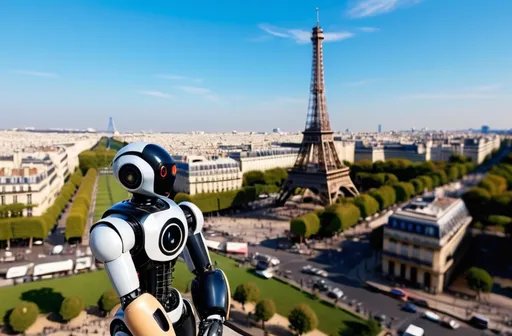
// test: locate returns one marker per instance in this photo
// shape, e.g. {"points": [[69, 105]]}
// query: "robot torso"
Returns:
{"points": [[161, 233]]}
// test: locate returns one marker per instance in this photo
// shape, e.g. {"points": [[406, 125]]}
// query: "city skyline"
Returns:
{"points": [[219, 67]]}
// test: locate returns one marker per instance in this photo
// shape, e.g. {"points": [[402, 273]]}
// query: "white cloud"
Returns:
{"points": [[195, 90], [37, 73], [368, 29], [156, 94], [366, 8], [179, 77], [302, 36], [361, 82]]}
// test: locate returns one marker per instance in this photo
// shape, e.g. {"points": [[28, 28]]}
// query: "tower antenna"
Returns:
{"points": [[317, 17]]}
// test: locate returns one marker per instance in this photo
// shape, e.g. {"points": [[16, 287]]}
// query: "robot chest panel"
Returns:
{"points": [[165, 234]]}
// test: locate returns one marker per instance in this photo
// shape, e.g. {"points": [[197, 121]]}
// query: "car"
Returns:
{"points": [[431, 316], [450, 324], [320, 285], [410, 308], [322, 273], [335, 293]]}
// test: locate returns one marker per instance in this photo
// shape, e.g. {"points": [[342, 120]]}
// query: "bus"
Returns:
{"points": [[413, 330]]}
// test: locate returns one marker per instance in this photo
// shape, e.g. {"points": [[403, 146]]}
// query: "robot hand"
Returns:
{"points": [[212, 326]]}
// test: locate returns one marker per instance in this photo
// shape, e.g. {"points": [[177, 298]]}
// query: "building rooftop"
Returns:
{"points": [[432, 214]]}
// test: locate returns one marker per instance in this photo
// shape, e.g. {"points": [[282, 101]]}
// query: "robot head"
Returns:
{"points": [[145, 169]]}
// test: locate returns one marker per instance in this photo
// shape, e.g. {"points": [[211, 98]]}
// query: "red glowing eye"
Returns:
{"points": [[163, 171], [173, 170]]}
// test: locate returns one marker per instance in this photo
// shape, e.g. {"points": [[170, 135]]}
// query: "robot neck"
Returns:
{"points": [[140, 199]]}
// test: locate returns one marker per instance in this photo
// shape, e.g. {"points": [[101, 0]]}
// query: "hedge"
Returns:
{"points": [[339, 217], [109, 300], [12, 227], [71, 307], [23, 316], [78, 214], [305, 226]]}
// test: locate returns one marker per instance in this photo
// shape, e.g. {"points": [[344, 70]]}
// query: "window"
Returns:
{"points": [[416, 251], [29, 198], [2, 200], [15, 198], [29, 212], [405, 250], [427, 255]]}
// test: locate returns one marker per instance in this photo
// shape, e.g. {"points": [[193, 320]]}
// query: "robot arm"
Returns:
{"points": [[210, 288], [111, 240]]}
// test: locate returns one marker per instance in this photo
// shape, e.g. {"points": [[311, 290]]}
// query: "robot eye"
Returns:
{"points": [[130, 176], [171, 238], [173, 170], [163, 172]]}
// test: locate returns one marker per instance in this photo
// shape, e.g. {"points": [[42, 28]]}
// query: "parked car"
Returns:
{"points": [[320, 285], [431, 316], [335, 293], [450, 324], [410, 308]]}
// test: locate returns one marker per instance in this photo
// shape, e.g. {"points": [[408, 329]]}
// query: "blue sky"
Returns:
{"points": [[246, 65]]}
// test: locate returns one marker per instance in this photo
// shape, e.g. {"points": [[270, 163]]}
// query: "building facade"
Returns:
{"points": [[265, 159], [478, 149], [35, 175], [197, 175], [424, 240]]}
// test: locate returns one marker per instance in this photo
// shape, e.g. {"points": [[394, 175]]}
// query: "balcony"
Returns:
{"points": [[407, 258]]}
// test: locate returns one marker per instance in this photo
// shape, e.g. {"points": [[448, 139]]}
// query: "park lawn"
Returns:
{"points": [[104, 199], [91, 285]]}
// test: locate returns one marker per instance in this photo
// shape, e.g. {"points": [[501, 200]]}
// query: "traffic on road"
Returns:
{"points": [[331, 274]]}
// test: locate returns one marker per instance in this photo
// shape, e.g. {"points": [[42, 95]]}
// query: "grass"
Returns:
{"points": [[114, 144], [91, 285], [104, 199]]}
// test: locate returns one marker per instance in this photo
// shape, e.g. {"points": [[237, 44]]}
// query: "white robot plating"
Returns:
{"points": [[139, 241]]}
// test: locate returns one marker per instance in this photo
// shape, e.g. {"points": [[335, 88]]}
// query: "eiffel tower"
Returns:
{"points": [[111, 130], [318, 167]]}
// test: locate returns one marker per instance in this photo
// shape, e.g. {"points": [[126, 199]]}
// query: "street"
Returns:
{"points": [[341, 276]]}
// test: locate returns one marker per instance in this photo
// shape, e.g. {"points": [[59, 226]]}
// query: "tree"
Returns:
{"points": [[109, 300], [372, 328], [246, 292], [265, 309], [23, 316], [182, 197], [367, 205], [479, 280], [369, 328], [302, 319], [339, 217], [306, 225], [71, 307], [253, 177]]}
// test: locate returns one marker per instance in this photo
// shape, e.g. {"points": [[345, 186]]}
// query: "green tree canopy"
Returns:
{"points": [[479, 280], [182, 197], [367, 205], [71, 307], [339, 217], [302, 319], [305, 226], [23, 316], [265, 310], [246, 292], [109, 300], [253, 177]]}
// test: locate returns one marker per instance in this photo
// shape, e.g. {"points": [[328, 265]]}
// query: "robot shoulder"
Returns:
{"points": [[120, 226]]}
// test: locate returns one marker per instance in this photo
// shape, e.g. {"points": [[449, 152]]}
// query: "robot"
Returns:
{"points": [[139, 241]]}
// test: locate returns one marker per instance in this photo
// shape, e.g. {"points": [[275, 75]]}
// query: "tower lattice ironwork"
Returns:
{"points": [[318, 166]]}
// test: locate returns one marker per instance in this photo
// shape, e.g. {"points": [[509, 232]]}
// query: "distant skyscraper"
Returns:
{"points": [[485, 129], [380, 128]]}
